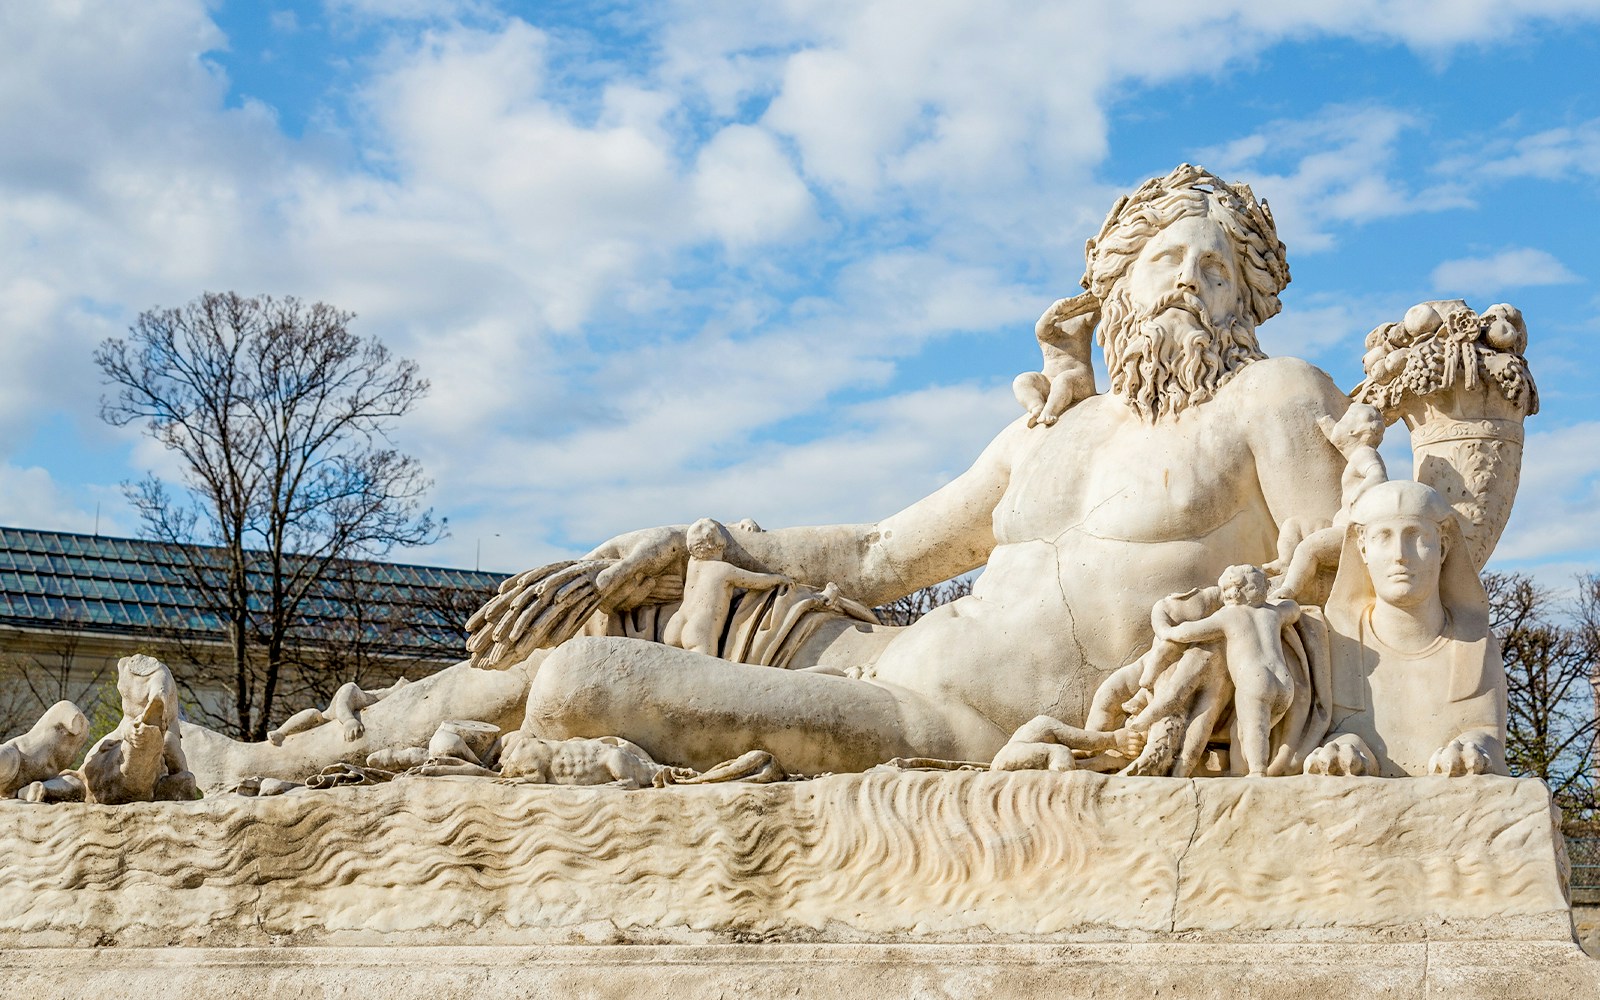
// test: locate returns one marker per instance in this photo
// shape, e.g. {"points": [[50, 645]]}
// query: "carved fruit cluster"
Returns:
{"points": [[1431, 351]]}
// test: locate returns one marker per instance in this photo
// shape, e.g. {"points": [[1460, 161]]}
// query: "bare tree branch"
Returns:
{"points": [[279, 415]]}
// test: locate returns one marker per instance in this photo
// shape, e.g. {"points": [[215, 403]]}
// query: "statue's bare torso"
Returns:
{"points": [[1102, 515]]}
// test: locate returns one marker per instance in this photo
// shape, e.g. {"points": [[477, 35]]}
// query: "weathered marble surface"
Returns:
{"points": [[881, 857]]}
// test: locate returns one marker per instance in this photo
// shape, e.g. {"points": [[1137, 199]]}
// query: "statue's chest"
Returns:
{"points": [[1109, 475]]}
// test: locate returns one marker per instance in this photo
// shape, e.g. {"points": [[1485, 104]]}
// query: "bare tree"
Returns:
{"points": [[1550, 649], [907, 609], [279, 415]]}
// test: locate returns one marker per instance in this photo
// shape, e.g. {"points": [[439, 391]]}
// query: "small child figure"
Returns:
{"points": [[345, 709], [1357, 435], [1064, 333], [708, 586], [1251, 628], [1047, 744]]}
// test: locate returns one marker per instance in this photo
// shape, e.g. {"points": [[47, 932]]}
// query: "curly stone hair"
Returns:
{"points": [[1237, 582]]}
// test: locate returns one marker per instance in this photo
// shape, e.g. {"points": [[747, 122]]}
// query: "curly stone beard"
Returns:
{"points": [[1174, 355]]}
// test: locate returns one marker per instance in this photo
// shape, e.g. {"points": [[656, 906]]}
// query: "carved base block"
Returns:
{"points": [[1478, 970], [888, 883]]}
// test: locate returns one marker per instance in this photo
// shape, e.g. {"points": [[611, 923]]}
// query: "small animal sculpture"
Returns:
{"points": [[45, 750], [125, 766]]}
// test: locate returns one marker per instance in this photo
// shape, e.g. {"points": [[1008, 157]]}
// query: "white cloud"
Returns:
{"points": [[30, 498], [746, 191], [1344, 172], [1514, 267], [1552, 154]]}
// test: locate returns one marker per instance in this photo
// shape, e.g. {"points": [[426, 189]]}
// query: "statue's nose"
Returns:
{"points": [[1188, 275]]}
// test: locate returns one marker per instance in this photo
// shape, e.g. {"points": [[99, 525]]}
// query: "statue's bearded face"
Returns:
{"points": [[1193, 254], [1174, 328]]}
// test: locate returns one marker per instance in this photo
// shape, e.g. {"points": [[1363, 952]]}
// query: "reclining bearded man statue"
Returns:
{"points": [[1199, 455]]}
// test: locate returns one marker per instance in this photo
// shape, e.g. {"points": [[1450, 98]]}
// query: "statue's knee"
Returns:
{"points": [[571, 691]]}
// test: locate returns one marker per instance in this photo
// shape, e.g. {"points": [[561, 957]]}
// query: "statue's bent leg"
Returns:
{"points": [[690, 709]]}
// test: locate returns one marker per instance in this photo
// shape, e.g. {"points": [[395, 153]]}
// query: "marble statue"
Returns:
{"points": [[44, 751], [948, 783], [1189, 464], [1419, 688], [345, 709], [1085, 513]]}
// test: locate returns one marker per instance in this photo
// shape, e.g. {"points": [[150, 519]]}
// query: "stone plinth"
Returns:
{"points": [[963, 884]]}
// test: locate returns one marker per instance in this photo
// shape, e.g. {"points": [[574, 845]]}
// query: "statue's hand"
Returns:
{"points": [[1461, 756], [646, 567], [1129, 743], [1346, 755], [1069, 321]]}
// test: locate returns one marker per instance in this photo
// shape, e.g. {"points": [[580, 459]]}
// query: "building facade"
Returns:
{"points": [[71, 605]]}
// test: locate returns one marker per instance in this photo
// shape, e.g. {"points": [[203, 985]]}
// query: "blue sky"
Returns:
{"points": [[776, 260]]}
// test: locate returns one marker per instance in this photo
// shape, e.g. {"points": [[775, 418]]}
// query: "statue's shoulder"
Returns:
{"points": [[1285, 386]]}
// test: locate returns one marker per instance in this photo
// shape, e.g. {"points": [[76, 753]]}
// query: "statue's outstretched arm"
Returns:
{"points": [[934, 539]]}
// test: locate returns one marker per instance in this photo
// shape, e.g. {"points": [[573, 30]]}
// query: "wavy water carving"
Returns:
{"points": [[880, 856]]}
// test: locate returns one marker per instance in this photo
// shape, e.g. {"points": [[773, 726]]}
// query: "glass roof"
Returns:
{"points": [[57, 580]]}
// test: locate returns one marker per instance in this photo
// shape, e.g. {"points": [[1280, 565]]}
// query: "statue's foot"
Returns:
{"points": [[33, 791], [275, 737]]}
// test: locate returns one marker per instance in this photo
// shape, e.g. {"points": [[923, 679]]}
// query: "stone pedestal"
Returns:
{"points": [[883, 884]]}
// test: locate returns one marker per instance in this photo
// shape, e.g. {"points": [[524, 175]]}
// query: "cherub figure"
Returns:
{"points": [[1251, 628], [1172, 696], [708, 586], [345, 709], [1047, 744], [1357, 435], [1064, 333]]}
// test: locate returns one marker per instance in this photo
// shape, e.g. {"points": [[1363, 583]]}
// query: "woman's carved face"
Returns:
{"points": [[1403, 557]]}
